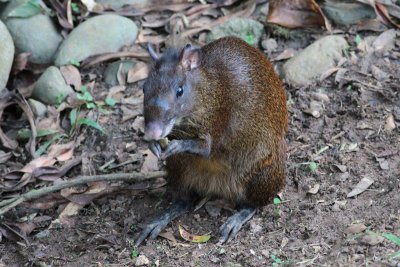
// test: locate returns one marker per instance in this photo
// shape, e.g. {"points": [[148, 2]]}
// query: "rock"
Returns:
{"points": [[270, 45], [347, 13], [142, 260], [111, 73], [246, 29], [97, 35], [308, 65], [38, 108], [121, 3], [36, 34], [6, 55], [385, 41], [379, 74], [51, 87]]}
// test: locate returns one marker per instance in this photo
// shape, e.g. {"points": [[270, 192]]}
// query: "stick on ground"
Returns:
{"points": [[8, 204]]}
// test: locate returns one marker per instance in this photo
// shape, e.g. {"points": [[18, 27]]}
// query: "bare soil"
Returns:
{"points": [[348, 142]]}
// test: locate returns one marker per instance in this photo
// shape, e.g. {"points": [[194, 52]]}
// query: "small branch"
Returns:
{"points": [[8, 204]]}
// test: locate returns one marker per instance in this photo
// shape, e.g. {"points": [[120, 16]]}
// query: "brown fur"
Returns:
{"points": [[242, 107]]}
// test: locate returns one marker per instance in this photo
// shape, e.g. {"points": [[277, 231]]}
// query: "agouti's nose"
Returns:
{"points": [[153, 131]]}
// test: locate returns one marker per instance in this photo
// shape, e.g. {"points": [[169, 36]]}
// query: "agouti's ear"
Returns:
{"points": [[190, 57]]}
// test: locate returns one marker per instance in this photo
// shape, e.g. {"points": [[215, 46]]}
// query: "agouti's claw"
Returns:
{"points": [[234, 223], [152, 230], [155, 147], [174, 147]]}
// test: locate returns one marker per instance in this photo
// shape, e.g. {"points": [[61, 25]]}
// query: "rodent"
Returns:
{"points": [[224, 106]]}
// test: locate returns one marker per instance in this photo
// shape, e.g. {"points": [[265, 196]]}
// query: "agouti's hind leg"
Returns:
{"points": [[154, 227], [234, 223]]}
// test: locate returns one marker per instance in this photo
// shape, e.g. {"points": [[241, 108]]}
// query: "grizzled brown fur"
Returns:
{"points": [[240, 106]]}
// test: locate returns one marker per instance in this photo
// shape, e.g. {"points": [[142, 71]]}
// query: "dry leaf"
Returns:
{"points": [[372, 239], [72, 76], [64, 218], [168, 235], [20, 62], [193, 238], [43, 161], [150, 162], [286, 54], [138, 72], [389, 123], [297, 13], [57, 150], [361, 187], [355, 228], [313, 190]]}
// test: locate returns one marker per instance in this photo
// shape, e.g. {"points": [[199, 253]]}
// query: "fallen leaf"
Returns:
{"points": [[138, 72], [64, 218], [363, 185], [295, 14], [20, 62], [313, 190], [138, 124], [372, 239], [72, 76], [43, 161], [168, 235], [58, 150], [389, 123], [150, 162], [193, 238], [355, 228], [341, 168], [286, 54], [4, 157]]}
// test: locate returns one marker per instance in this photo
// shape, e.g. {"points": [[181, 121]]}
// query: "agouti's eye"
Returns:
{"points": [[179, 91]]}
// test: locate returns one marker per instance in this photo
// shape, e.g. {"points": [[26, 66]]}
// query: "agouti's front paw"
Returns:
{"points": [[174, 147], [155, 147]]}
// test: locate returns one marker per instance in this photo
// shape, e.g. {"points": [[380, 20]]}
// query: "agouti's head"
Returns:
{"points": [[169, 90]]}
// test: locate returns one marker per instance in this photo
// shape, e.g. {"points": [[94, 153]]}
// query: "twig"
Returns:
{"points": [[6, 205], [93, 60]]}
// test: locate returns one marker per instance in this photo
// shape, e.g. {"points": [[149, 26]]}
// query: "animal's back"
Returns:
{"points": [[246, 117]]}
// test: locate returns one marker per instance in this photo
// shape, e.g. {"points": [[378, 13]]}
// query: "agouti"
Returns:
{"points": [[224, 108]]}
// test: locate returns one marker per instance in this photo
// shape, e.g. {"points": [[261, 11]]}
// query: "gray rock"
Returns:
{"points": [[111, 73], [36, 34], [38, 108], [347, 13], [51, 87], [270, 45], [97, 35], [246, 29], [313, 61], [121, 3], [6, 55]]}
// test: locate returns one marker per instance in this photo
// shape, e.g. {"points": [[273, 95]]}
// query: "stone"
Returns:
{"points": [[97, 35], [308, 65], [38, 108], [142, 260], [36, 34], [111, 72], [270, 45], [342, 13], [247, 29], [51, 87], [6, 55]]}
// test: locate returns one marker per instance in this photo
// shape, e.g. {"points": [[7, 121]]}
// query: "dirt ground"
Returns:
{"points": [[348, 142]]}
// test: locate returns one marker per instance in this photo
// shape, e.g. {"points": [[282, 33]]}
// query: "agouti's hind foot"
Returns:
{"points": [[153, 228], [234, 223]]}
